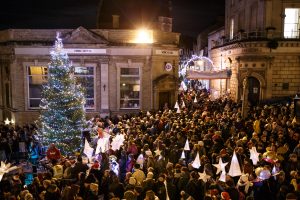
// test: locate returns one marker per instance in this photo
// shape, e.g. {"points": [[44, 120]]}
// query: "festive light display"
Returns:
{"points": [[62, 105]]}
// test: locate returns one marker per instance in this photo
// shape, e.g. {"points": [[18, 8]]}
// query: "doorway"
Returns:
{"points": [[164, 99], [254, 90]]}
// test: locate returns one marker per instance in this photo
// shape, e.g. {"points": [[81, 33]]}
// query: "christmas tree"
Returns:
{"points": [[62, 105]]}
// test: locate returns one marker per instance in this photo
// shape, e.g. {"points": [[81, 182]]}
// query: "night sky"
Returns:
{"points": [[189, 16]]}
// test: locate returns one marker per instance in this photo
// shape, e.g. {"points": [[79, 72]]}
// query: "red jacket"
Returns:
{"points": [[53, 154]]}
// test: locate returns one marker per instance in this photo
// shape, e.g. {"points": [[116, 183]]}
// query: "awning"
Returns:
{"points": [[222, 74]]}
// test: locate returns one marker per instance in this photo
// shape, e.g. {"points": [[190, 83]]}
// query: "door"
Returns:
{"points": [[254, 91], [164, 100]]}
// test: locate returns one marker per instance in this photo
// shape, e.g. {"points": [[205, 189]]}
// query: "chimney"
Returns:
{"points": [[115, 21], [165, 23]]}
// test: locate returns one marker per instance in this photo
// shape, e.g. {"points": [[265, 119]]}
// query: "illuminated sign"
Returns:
{"points": [[166, 52]]}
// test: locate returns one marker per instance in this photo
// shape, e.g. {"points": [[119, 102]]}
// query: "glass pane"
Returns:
{"points": [[35, 86], [291, 23], [84, 70], [125, 103], [88, 84], [130, 71], [34, 103], [37, 70], [89, 104], [129, 87]]}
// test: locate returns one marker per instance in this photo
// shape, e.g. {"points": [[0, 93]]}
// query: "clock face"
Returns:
{"points": [[168, 67]]}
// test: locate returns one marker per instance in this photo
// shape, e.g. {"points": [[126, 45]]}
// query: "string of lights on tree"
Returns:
{"points": [[62, 115]]}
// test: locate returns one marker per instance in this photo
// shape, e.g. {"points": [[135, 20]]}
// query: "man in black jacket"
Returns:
{"points": [[79, 167]]}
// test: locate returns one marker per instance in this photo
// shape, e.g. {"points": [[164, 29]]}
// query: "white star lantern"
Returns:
{"points": [[6, 168], [6, 122], [157, 152], [204, 176], [220, 166], [254, 155]]}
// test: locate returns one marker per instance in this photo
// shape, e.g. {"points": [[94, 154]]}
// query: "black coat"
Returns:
{"points": [[79, 167]]}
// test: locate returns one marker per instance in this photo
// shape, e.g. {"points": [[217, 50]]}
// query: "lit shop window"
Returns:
{"points": [[37, 76], [129, 88], [291, 23]]}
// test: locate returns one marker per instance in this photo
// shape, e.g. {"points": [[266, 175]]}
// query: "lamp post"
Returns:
{"points": [[245, 98], [297, 108]]}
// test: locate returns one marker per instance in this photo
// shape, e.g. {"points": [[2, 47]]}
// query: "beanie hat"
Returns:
{"points": [[225, 195]]}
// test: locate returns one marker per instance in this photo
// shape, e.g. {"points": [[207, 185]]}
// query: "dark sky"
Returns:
{"points": [[189, 16]]}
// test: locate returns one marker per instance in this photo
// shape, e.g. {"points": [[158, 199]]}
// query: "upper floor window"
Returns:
{"points": [[231, 28], [291, 22], [37, 76], [130, 88], [232, 2]]}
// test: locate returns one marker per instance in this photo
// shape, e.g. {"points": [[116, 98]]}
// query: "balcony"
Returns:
{"points": [[256, 36]]}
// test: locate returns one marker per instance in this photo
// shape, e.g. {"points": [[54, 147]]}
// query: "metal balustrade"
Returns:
{"points": [[256, 36]]}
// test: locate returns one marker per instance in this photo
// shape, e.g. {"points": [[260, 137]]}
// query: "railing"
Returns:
{"points": [[256, 35]]}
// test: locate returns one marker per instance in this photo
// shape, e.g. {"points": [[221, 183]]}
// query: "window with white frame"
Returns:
{"points": [[37, 76], [291, 22], [129, 88], [85, 77]]}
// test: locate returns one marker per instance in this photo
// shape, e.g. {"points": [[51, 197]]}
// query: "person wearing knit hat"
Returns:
{"points": [[225, 196]]}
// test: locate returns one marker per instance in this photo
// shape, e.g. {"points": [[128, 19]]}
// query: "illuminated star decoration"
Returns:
{"points": [[157, 152], [254, 155], [5, 168], [204, 176], [6, 122], [117, 142], [220, 166]]}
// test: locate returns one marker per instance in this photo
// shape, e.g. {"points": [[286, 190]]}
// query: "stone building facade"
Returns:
{"points": [[259, 43], [121, 73]]}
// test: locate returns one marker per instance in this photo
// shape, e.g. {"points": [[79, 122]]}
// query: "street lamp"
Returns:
{"points": [[144, 36], [297, 108]]}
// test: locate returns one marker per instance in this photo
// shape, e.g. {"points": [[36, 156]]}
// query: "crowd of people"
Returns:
{"points": [[154, 164]]}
